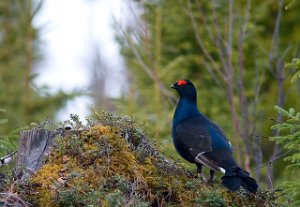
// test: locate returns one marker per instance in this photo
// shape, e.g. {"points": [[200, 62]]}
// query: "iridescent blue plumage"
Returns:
{"points": [[199, 140]]}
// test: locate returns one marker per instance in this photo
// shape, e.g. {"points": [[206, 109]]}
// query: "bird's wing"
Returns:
{"points": [[219, 131], [195, 137]]}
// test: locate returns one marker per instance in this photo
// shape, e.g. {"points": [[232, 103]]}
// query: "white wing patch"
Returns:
{"points": [[200, 158], [222, 170]]}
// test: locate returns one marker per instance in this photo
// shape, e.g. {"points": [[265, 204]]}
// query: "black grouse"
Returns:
{"points": [[199, 140]]}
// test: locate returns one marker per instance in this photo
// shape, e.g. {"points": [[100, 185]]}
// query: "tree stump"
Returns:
{"points": [[33, 147]]}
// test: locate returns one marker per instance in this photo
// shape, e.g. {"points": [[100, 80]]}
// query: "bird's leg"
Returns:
{"points": [[199, 168], [199, 171], [211, 173]]}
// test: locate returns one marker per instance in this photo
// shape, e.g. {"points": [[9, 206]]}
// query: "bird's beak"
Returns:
{"points": [[173, 86]]}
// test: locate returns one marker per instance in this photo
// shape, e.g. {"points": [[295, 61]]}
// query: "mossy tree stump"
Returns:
{"points": [[108, 162], [34, 145]]}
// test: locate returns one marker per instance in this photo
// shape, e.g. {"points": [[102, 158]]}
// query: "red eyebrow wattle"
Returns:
{"points": [[181, 82]]}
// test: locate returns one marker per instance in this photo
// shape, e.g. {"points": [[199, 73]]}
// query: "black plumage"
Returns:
{"points": [[199, 140]]}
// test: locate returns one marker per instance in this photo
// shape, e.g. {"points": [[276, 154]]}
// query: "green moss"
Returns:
{"points": [[104, 166]]}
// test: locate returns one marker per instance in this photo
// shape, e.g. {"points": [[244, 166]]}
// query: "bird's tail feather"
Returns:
{"points": [[236, 177]]}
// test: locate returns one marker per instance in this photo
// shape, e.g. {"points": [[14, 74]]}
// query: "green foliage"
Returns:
{"points": [[2, 121], [210, 199], [295, 64], [19, 53], [115, 199], [289, 139], [70, 197], [8, 142], [291, 4]]}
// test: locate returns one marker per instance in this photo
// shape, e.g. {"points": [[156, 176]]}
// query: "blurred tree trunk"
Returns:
{"points": [[29, 59], [99, 80], [156, 72], [277, 68]]}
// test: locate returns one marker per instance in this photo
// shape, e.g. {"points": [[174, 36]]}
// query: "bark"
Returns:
{"points": [[33, 146]]}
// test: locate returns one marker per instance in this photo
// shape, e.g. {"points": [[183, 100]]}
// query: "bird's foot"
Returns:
{"points": [[210, 182], [202, 177]]}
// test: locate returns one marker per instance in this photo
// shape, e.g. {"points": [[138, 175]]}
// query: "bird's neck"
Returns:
{"points": [[185, 108]]}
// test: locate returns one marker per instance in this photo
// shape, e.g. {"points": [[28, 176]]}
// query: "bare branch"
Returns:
{"points": [[15, 196], [200, 43], [269, 174], [241, 89], [275, 38], [139, 58], [267, 118], [229, 36], [147, 69], [219, 42], [216, 23], [203, 18], [254, 135], [275, 159]]}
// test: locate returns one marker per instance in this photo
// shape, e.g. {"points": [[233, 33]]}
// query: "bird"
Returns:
{"points": [[201, 141]]}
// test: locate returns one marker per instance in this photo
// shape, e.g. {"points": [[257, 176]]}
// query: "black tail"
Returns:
{"points": [[236, 177]]}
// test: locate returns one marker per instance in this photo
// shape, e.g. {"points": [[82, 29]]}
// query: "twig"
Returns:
{"points": [[203, 17], [257, 149], [267, 118], [275, 159], [254, 135], [269, 175], [145, 67], [275, 37], [269, 165], [241, 89], [230, 34], [199, 40], [220, 40], [14, 196]]}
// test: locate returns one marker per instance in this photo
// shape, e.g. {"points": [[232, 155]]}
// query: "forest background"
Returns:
{"points": [[234, 51]]}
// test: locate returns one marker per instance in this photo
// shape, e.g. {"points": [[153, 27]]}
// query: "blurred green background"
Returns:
{"points": [[234, 52]]}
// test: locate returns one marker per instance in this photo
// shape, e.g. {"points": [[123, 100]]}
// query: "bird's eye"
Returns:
{"points": [[181, 82]]}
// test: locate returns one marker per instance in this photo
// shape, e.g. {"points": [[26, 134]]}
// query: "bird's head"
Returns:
{"points": [[185, 88]]}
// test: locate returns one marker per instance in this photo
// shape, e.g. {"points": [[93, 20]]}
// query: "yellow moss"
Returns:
{"points": [[92, 178], [89, 147], [101, 129], [102, 154], [45, 179], [46, 174], [119, 161]]}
